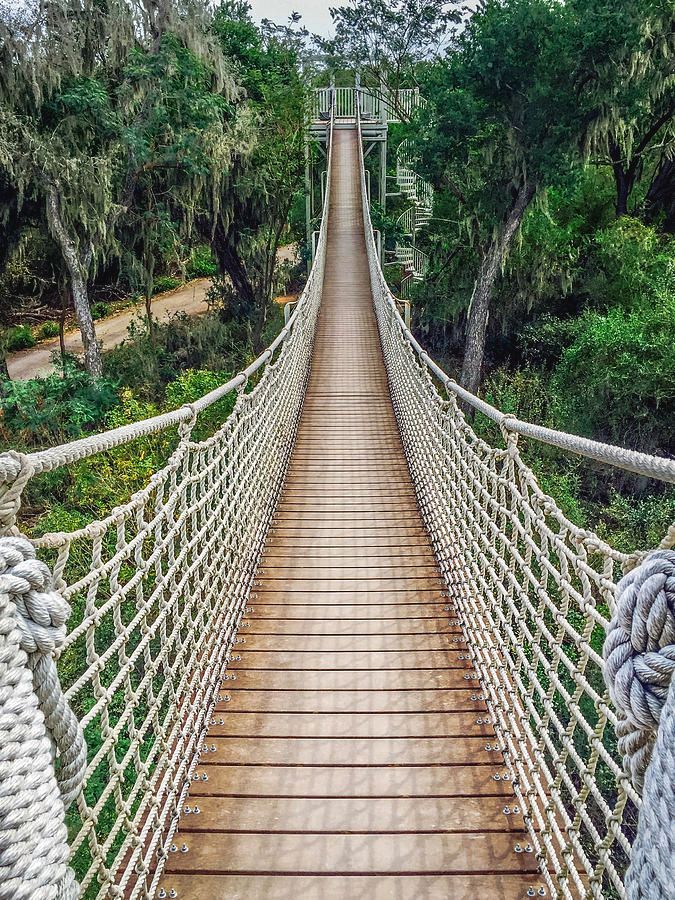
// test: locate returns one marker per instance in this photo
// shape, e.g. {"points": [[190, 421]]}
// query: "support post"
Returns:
{"points": [[308, 199], [383, 158]]}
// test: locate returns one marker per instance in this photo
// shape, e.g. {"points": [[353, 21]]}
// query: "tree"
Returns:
{"points": [[386, 39], [103, 101], [624, 72], [250, 211], [497, 126]]}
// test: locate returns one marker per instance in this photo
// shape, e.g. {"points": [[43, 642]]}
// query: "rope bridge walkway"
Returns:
{"points": [[341, 649]]}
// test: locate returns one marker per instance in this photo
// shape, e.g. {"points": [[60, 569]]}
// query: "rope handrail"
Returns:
{"points": [[555, 636], [48, 460], [102, 724]]}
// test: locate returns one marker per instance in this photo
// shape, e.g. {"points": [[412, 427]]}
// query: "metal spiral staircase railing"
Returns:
{"points": [[574, 662], [414, 261]]}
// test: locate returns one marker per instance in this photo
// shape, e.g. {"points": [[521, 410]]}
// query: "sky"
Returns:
{"points": [[315, 15]]}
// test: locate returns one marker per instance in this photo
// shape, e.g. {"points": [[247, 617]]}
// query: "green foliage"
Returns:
{"points": [[48, 330], [19, 338], [637, 264], [100, 310], [616, 381], [149, 362], [202, 263], [544, 341], [45, 411], [251, 210], [165, 283], [385, 39]]}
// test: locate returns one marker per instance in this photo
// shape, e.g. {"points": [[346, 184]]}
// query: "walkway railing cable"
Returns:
{"points": [[537, 597], [156, 590], [113, 657]]}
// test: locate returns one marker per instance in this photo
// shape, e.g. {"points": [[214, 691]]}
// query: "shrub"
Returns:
{"points": [[20, 338], [44, 411], [202, 263], [48, 330], [616, 382], [165, 283], [100, 310], [544, 341]]}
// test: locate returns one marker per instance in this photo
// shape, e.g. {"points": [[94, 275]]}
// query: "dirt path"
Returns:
{"points": [[189, 299]]}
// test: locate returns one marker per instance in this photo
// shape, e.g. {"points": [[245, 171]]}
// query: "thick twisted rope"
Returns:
{"points": [[652, 870], [640, 661], [639, 654], [36, 725]]}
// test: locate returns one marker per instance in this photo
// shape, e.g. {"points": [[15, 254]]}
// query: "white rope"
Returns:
{"points": [[640, 656], [640, 661], [33, 839], [157, 588], [651, 875], [532, 593]]}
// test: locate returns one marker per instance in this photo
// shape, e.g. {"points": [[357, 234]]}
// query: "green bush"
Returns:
{"points": [[202, 263], [165, 283], [48, 330], [616, 382], [20, 338], [148, 363], [40, 412], [543, 342], [100, 310]]}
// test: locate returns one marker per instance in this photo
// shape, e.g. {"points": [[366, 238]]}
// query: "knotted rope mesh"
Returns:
{"points": [[157, 591], [534, 596]]}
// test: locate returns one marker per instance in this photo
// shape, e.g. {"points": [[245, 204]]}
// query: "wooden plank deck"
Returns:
{"points": [[350, 760]]}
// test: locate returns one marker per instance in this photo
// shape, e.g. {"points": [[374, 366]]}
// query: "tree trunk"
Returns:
{"points": [[624, 179], [488, 275], [78, 282], [231, 265], [660, 199], [149, 291], [62, 325], [623, 191]]}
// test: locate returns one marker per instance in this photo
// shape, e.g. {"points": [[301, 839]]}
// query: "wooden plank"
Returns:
{"points": [[353, 596], [363, 887], [361, 570], [374, 582], [320, 625], [352, 854], [365, 661], [350, 781], [356, 644], [378, 815], [349, 679], [389, 751], [357, 701], [271, 613], [350, 724]]}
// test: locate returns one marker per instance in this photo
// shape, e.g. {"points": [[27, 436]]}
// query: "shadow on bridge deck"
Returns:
{"points": [[352, 759]]}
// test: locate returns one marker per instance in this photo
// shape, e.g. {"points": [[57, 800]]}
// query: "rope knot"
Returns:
{"points": [[639, 654], [41, 612], [15, 472]]}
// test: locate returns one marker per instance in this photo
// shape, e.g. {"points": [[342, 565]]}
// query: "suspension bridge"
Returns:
{"points": [[343, 648]]}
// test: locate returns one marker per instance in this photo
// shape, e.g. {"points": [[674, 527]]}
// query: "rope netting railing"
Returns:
{"points": [[538, 603], [152, 596]]}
